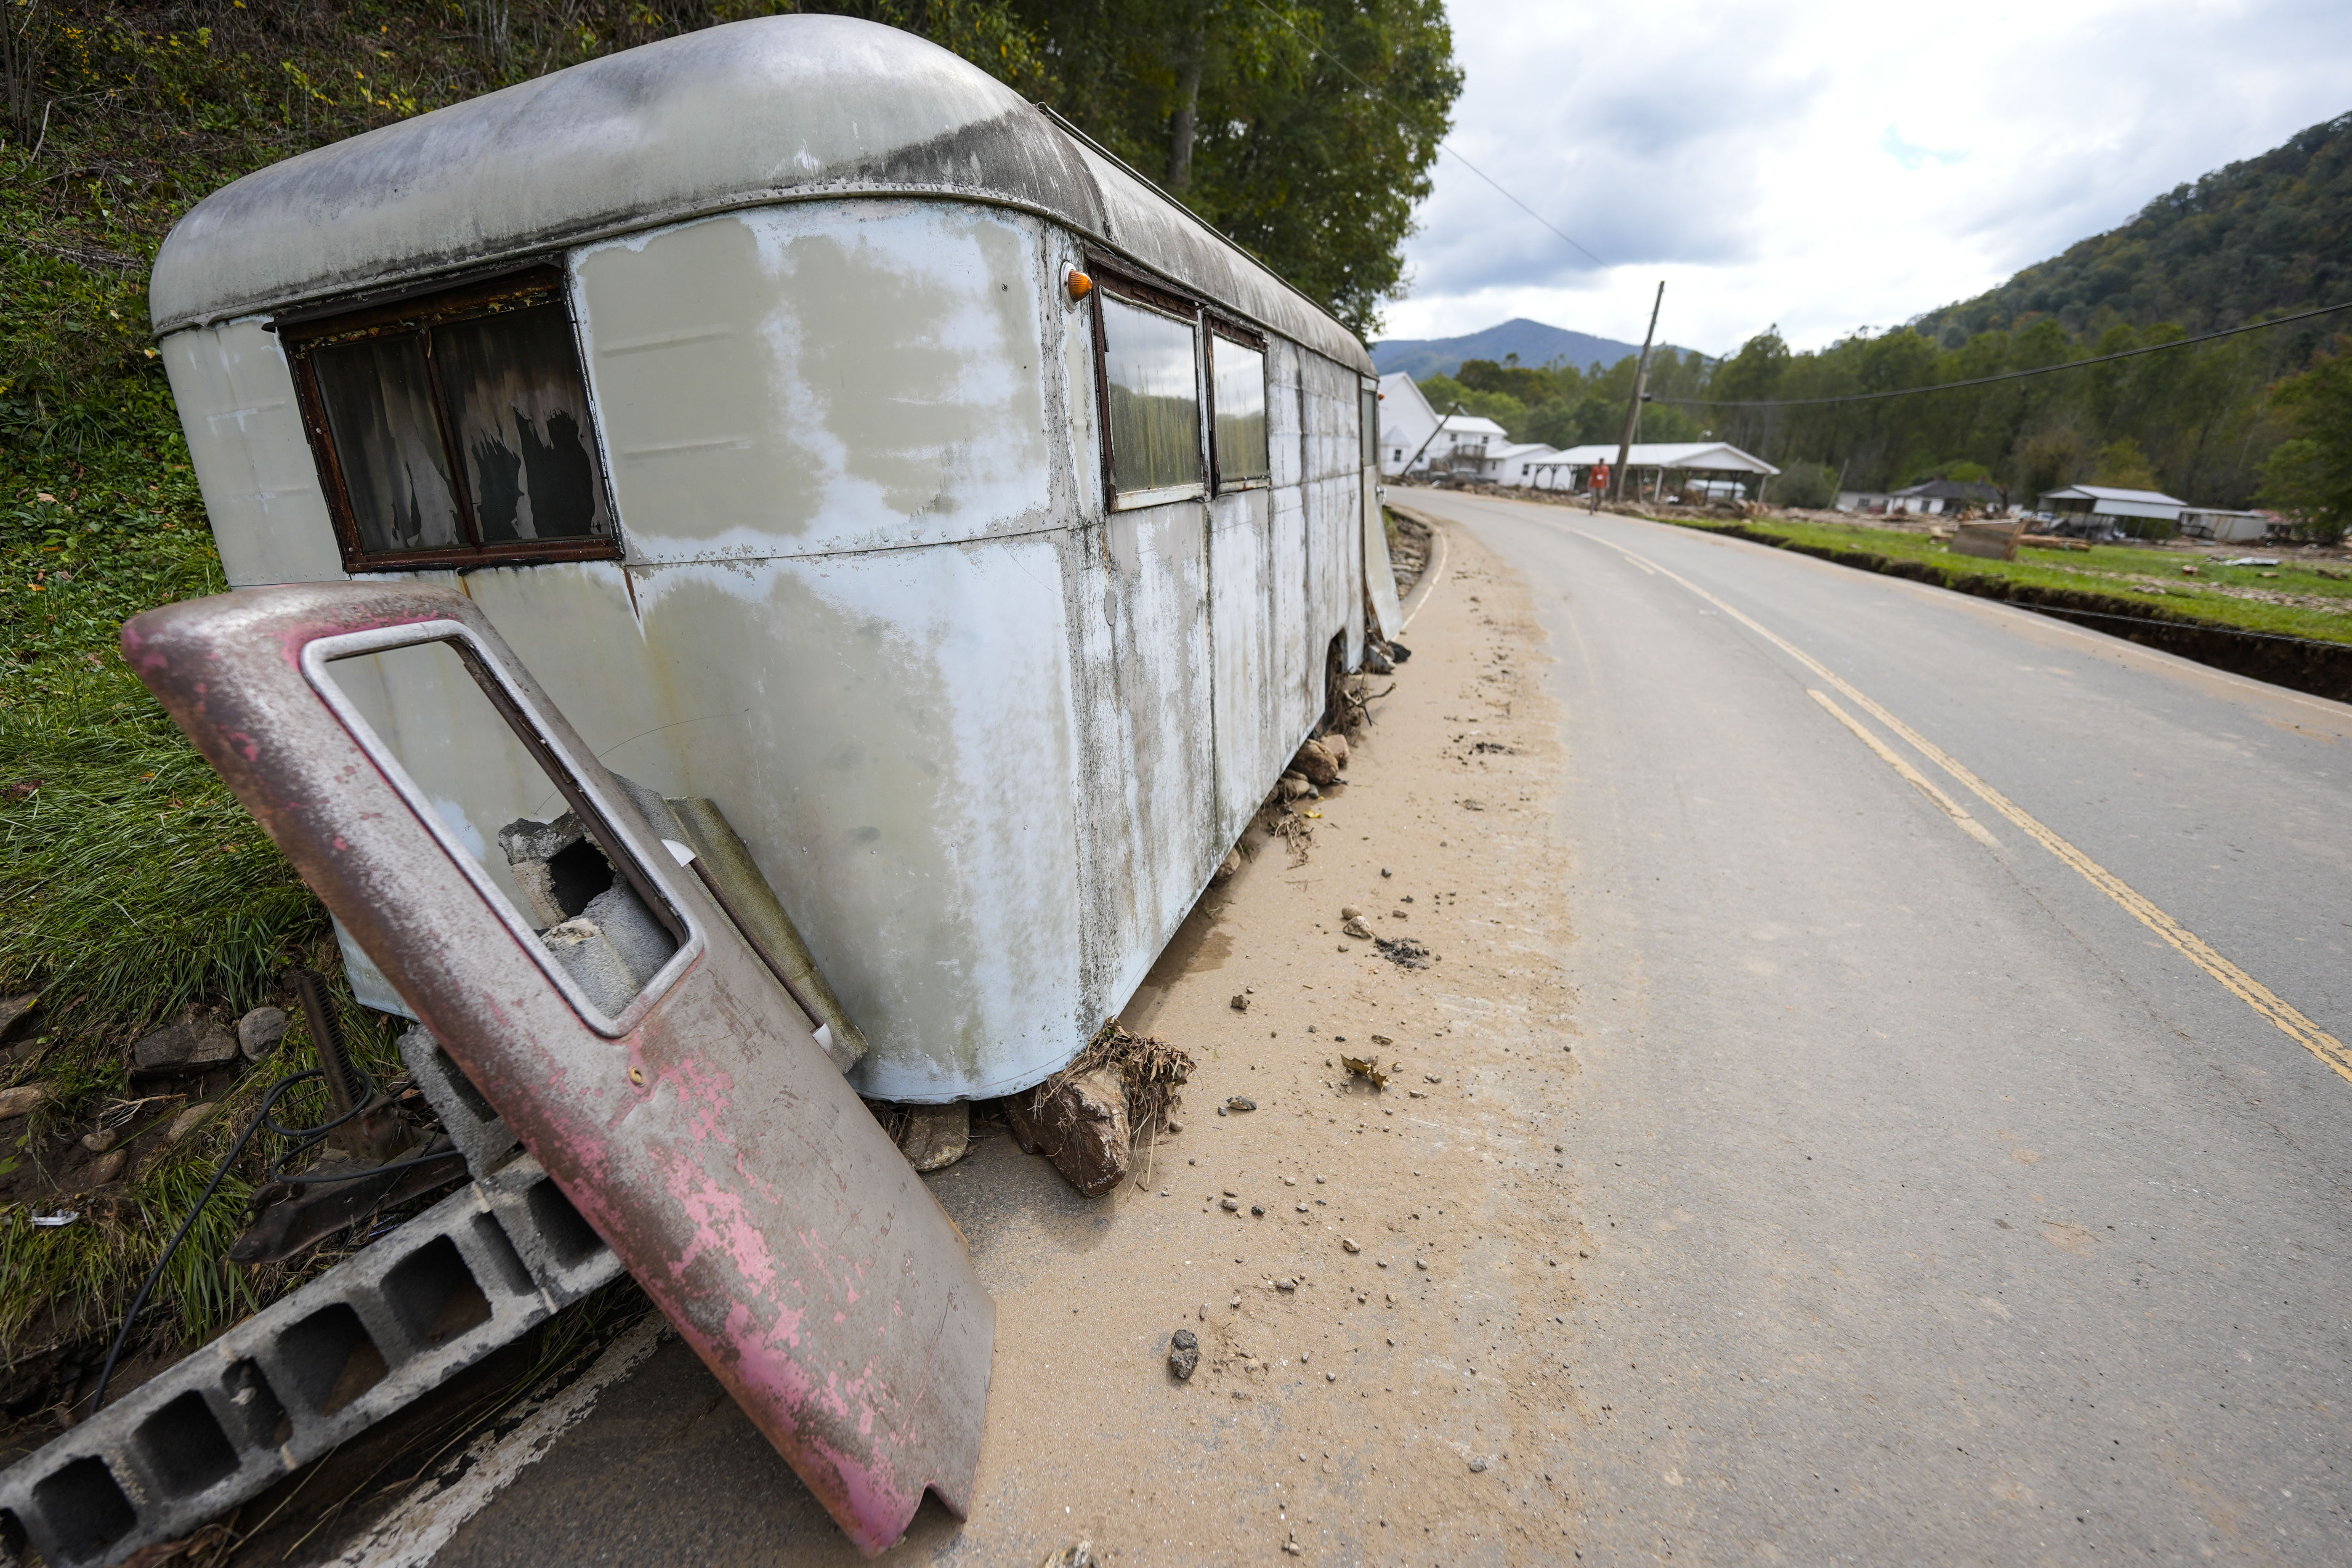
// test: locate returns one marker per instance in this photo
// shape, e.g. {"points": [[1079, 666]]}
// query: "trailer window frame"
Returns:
{"points": [[1220, 327], [1131, 289], [418, 313]]}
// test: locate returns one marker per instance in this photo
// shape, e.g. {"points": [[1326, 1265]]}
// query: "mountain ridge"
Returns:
{"points": [[1537, 343]]}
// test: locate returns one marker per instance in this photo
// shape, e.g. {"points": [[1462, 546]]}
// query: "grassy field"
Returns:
{"points": [[2247, 597]]}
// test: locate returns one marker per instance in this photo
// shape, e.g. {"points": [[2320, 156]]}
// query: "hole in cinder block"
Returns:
{"points": [[257, 1416], [577, 874], [571, 1239], [330, 1359], [85, 1508], [185, 1446], [433, 1295], [491, 1237]]}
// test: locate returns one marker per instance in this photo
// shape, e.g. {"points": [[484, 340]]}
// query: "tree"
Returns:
{"points": [[1302, 129], [2309, 475]]}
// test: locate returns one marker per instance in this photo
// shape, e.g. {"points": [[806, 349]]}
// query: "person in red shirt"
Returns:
{"points": [[1596, 485]]}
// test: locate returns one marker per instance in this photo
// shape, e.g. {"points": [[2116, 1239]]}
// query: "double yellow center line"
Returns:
{"points": [[2192, 946]]}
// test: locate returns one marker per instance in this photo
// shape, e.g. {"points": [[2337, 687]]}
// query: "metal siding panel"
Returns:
{"points": [[1242, 619], [251, 458], [1147, 775], [1293, 699], [836, 375]]}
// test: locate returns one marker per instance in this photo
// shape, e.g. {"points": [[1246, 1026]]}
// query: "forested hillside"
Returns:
{"points": [[2270, 235]]}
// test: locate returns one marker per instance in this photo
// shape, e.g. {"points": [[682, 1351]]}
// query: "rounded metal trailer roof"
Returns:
{"points": [[780, 109]]}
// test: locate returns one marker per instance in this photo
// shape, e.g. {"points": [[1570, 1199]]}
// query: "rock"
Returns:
{"points": [[1184, 1351], [1336, 745], [1421, 1263], [1081, 1125], [1347, 1244], [1354, 926], [1285, 1284], [14, 1010], [936, 1136], [1291, 786], [1386, 872], [258, 1032], [1258, 1209], [1479, 1465], [108, 1168], [1229, 867], [100, 1141], [1349, 911], [1231, 1205], [188, 1121], [1316, 765], [1240, 1102], [23, 1101], [195, 1042], [1241, 1002]]}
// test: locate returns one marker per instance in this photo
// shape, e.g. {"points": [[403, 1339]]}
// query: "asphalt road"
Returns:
{"points": [[1948, 1211]]}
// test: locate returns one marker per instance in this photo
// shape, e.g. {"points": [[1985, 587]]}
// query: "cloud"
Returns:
{"points": [[1833, 164], [1911, 155]]}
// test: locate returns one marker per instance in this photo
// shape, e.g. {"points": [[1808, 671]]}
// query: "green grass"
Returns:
{"points": [[2133, 573]]}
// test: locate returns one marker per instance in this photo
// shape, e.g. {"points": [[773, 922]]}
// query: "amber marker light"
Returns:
{"points": [[1080, 284]]}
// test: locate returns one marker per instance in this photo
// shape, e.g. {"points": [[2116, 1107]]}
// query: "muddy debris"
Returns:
{"points": [[936, 1136], [1368, 1069], [1184, 1352], [1080, 1122], [1316, 763], [1240, 1102], [1227, 869], [1403, 952]]}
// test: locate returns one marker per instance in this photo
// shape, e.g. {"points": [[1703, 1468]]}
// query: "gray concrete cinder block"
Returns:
{"points": [[324, 1363]]}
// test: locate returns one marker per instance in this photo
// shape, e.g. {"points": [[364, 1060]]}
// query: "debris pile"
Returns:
{"points": [[1089, 1118]]}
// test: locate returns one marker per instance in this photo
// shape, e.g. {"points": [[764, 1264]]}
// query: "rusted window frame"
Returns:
{"points": [[419, 313], [1111, 278], [1247, 338]]}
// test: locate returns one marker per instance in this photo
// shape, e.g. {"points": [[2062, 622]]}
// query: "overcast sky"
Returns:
{"points": [[1832, 165]]}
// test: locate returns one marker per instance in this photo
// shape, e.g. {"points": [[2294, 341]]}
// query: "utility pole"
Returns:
{"points": [[1633, 408]]}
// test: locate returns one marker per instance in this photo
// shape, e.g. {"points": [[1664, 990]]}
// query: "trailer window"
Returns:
{"points": [[1237, 386], [455, 429], [1151, 390]]}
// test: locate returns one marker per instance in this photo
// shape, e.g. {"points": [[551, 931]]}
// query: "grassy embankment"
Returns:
{"points": [[133, 884], [2249, 599]]}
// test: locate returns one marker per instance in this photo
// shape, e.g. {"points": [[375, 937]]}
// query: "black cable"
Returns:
{"points": [[2005, 375], [306, 1138]]}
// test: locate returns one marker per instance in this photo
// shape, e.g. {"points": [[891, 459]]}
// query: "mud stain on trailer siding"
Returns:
{"points": [[889, 698], [820, 376]]}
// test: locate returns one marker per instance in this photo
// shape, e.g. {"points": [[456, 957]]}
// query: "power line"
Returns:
{"points": [[1442, 146], [2006, 375]]}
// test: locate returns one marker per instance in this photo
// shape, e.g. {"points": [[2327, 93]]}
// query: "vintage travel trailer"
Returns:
{"points": [[838, 438]]}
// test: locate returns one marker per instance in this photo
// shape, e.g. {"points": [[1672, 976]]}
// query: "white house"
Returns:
{"points": [[1516, 464], [1708, 465], [1413, 436]]}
